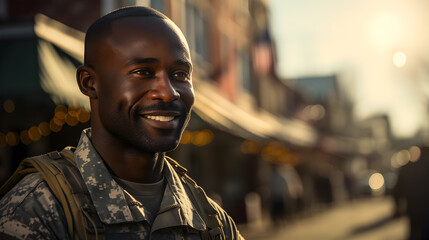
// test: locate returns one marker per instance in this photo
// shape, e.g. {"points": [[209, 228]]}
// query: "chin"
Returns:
{"points": [[159, 146]]}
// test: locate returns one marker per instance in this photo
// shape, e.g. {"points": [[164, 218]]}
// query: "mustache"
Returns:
{"points": [[161, 106]]}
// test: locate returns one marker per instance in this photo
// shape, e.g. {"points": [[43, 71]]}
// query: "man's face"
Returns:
{"points": [[144, 85]]}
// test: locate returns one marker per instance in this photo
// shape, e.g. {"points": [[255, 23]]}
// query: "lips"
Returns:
{"points": [[161, 119]]}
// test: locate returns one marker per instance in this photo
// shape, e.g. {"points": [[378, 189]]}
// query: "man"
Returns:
{"points": [[137, 74]]}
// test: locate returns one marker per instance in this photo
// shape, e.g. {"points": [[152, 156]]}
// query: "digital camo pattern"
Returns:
{"points": [[30, 211], [107, 196]]}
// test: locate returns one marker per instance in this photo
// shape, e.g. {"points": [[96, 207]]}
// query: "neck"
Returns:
{"points": [[128, 162]]}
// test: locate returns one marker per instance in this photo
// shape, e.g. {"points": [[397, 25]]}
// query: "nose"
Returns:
{"points": [[163, 89]]}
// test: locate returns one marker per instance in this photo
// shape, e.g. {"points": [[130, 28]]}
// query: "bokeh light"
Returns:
{"points": [[415, 153], [24, 137], [400, 158], [34, 134], [250, 147], [399, 59], [54, 126], [202, 138], [376, 181], [12, 138], [72, 120], [59, 121], [83, 115], [186, 137], [60, 112], [314, 112], [9, 106], [73, 110], [44, 129]]}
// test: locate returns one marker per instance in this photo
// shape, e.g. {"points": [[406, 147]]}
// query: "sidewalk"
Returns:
{"points": [[367, 219]]}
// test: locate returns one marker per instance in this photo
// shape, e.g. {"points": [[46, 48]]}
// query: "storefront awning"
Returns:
{"points": [[58, 79], [248, 123]]}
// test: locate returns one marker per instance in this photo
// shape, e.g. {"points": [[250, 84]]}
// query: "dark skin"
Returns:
{"points": [[138, 79]]}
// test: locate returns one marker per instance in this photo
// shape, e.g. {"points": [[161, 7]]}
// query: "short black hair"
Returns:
{"points": [[96, 29], [133, 11]]}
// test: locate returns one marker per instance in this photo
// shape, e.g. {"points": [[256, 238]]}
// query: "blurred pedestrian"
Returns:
{"points": [[286, 191], [278, 189], [411, 195]]}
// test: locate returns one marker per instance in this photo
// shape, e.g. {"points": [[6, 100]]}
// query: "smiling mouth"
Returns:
{"points": [[160, 118]]}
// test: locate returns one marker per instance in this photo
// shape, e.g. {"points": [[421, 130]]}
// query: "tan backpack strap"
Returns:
{"points": [[56, 184], [22, 170], [61, 174], [86, 219], [208, 212]]}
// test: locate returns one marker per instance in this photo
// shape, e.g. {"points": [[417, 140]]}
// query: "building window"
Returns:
{"points": [[158, 5], [244, 66], [197, 31]]}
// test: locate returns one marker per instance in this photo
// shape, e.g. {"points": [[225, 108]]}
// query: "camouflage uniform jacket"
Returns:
{"points": [[30, 211]]}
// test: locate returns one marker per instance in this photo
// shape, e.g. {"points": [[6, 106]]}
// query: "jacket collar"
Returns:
{"points": [[114, 205], [107, 196], [176, 208]]}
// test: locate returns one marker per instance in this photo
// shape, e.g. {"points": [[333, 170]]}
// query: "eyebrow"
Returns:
{"points": [[181, 62], [184, 63]]}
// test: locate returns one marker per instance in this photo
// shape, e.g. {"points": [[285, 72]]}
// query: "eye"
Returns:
{"points": [[181, 75], [143, 72]]}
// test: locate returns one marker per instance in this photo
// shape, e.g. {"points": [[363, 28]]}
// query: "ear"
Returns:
{"points": [[85, 77]]}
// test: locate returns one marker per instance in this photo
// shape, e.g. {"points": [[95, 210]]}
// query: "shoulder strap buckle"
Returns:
{"points": [[217, 233], [54, 155]]}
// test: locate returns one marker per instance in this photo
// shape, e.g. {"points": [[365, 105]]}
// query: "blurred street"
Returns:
{"points": [[368, 219]]}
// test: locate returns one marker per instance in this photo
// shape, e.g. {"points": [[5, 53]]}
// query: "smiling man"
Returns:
{"points": [[117, 183]]}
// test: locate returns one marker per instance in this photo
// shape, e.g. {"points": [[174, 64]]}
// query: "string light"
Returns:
{"points": [[202, 138], [71, 120], [60, 112], [44, 129], [272, 151], [83, 115], [34, 134], [54, 127], [72, 115], [9, 106], [12, 138], [72, 110], [186, 137], [23, 136], [250, 147], [198, 138]]}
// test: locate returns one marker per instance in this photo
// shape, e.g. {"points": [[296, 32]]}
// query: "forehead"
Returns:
{"points": [[136, 33]]}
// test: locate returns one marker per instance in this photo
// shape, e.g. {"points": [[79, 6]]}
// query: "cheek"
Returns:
{"points": [[188, 97], [116, 95]]}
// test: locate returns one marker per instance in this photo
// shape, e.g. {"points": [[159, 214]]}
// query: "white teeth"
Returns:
{"points": [[161, 118]]}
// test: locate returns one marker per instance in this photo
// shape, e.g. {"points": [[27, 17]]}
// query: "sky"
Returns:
{"points": [[378, 49]]}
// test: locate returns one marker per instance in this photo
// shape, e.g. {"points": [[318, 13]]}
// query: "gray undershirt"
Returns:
{"points": [[149, 195]]}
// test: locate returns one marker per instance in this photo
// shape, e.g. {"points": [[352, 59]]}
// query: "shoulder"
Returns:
{"points": [[229, 227], [30, 211], [18, 193]]}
